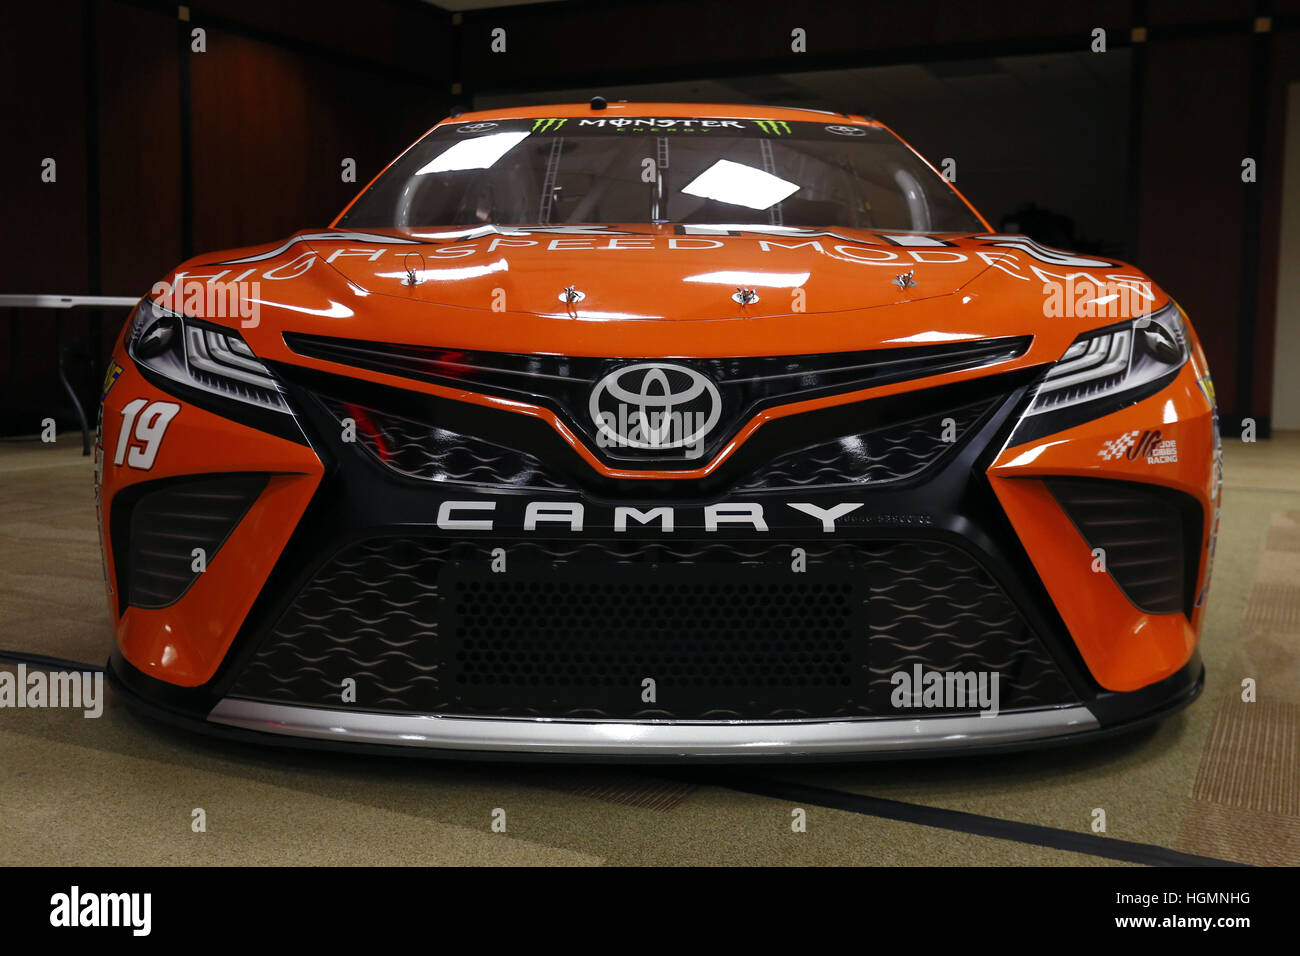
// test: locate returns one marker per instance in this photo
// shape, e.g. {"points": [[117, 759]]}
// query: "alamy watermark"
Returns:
{"points": [[1083, 297], [213, 299], [77, 690], [945, 690]]}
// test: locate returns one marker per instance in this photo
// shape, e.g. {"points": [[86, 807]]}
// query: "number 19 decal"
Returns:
{"points": [[149, 427]]}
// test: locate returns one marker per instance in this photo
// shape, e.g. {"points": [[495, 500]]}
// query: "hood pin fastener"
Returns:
{"points": [[412, 278]]}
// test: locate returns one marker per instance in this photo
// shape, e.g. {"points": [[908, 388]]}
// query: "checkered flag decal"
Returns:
{"points": [[1117, 447]]}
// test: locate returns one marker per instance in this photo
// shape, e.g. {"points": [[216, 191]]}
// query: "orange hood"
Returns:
{"points": [[654, 290]]}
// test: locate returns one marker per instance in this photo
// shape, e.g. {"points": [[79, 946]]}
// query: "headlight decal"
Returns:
{"points": [[200, 356], [1105, 370]]}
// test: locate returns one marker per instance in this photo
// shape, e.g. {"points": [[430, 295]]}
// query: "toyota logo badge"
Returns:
{"points": [[655, 406]]}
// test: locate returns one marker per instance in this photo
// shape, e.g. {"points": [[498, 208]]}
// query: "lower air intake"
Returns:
{"points": [[169, 521], [1144, 533]]}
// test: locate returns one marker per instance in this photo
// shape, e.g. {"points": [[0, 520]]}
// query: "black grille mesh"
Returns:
{"points": [[424, 450], [725, 630], [168, 523], [752, 639], [893, 453]]}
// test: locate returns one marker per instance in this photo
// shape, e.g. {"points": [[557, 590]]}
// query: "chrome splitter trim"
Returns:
{"points": [[651, 738]]}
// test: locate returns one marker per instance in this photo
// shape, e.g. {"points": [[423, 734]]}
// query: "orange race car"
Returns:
{"points": [[654, 430]]}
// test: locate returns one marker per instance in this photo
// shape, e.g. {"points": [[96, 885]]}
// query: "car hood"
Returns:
{"points": [[649, 272], [653, 290]]}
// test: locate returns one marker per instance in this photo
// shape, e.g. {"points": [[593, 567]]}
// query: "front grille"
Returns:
{"points": [[424, 450], [893, 453], [745, 384], [414, 438], [168, 522], [1140, 529], [724, 630]]}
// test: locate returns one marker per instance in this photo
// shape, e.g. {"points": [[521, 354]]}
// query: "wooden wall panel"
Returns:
{"points": [[140, 160], [43, 246], [559, 44], [272, 127], [1193, 140]]}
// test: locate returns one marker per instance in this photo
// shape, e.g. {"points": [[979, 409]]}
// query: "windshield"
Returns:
{"points": [[676, 170]]}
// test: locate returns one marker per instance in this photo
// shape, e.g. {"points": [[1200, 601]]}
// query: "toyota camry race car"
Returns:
{"points": [[653, 430]]}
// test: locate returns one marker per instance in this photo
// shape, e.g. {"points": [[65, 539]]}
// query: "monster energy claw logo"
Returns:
{"points": [[773, 127], [546, 124]]}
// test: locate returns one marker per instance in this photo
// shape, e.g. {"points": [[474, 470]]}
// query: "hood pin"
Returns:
{"points": [[904, 280], [411, 277]]}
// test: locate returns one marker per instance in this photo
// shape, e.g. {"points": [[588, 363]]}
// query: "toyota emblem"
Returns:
{"points": [[655, 406]]}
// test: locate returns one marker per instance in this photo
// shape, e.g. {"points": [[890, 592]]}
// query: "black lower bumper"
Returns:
{"points": [[582, 741], [480, 617]]}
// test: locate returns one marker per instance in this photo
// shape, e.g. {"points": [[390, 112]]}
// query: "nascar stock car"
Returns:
{"points": [[658, 431]]}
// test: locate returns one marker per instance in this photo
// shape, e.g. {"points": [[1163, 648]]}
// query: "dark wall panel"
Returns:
{"points": [[44, 244], [284, 93], [406, 35], [1193, 139], [140, 164], [558, 44], [43, 104], [1284, 60], [272, 127]]}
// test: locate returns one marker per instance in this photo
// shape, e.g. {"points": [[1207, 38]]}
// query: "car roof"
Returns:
{"points": [[710, 110]]}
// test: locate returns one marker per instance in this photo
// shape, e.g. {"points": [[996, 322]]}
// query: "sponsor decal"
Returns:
{"points": [[338, 236], [1163, 452], [664, 125], [1043, 253], [110, 379], [1206, 385], [774, 127], [1139, 444], [887, 250], [847, 130], [655, 406], [548, 124], [478, 127]]}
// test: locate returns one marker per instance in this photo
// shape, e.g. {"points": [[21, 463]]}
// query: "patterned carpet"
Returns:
{"points": [[1219, 780]]}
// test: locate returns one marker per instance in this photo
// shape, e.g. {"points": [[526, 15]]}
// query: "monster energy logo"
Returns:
{"points": [[545, 125], [773, 127]]}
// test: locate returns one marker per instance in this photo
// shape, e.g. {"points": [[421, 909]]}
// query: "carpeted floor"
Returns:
{"points": [[1220, 780]]}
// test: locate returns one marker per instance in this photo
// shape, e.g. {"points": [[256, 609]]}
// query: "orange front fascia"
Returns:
{"points": [[185, 643], [1124, 647]]}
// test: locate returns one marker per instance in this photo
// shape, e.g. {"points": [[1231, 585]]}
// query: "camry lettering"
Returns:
{"points": [[544, 517], [448, 522]]}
